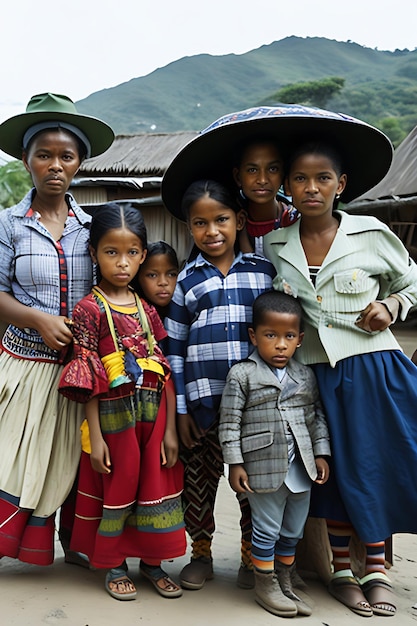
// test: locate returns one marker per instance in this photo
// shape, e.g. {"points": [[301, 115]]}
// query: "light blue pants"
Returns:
{"points": [[278, 521]]}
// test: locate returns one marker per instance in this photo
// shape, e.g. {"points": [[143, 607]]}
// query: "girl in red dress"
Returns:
{"points": [[129, 492]]}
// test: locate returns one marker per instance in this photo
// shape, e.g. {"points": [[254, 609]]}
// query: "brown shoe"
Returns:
{"points": [[195, 574]]}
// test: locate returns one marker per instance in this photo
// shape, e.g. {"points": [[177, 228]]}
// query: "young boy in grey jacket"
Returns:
{"points": [[275, 439]]}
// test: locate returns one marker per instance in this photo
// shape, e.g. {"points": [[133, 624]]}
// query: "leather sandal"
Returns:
{"points": [[163, 584], [378, 591], [344, 587], [117, 582]]}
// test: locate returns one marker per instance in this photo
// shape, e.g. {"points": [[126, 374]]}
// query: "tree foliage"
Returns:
{"points": [[314, 92], [391, 127], [15, 182]]}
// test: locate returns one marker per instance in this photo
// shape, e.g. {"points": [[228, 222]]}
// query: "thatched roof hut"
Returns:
{"points": [[131, 170], [394, 199]]}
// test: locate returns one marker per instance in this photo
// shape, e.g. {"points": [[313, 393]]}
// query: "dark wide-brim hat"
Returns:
{"points": [[365, 151], [56, 109]]}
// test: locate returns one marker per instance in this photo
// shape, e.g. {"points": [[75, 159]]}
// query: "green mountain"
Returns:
{"points": [[188, 94]]}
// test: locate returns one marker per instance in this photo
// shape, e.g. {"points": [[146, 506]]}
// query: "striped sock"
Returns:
{"points": [[339, 537], [262, 566], [285, 550], [286, 560], [375, 557], [262, 557]]}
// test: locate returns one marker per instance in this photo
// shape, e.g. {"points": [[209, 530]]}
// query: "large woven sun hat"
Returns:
{"points": [[366, 151]]}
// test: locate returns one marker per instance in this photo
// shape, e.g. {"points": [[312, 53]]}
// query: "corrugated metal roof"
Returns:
{"points": [[142, 154]]}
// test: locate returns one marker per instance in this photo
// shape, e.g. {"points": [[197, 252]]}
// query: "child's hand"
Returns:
{"points": [[188, 431], [323, 471], [238, 479], [100, 457], [169, 449]]}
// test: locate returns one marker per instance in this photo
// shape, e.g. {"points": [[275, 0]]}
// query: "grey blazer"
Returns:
{"points": [[254, 407]]}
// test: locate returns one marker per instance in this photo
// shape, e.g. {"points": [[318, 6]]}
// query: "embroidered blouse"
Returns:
{"points": [[85, 376]]}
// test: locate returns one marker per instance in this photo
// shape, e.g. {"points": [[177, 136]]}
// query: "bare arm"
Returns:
{"points": [[170, 443], [100, 455], [52, 328], [188, 430]]}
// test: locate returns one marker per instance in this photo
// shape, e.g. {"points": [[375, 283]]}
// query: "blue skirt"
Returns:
{"points": [[370, 402]]}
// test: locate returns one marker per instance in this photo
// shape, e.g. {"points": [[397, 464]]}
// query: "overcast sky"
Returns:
{"points": [[83, 46]]}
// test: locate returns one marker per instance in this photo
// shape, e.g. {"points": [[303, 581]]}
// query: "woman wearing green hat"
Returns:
{"points": [[45, 268]]}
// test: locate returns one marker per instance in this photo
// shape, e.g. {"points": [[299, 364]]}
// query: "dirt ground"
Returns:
{"points": [[67, 595]]}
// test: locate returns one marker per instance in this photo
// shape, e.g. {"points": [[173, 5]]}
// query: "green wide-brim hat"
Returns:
{"points": [[54, 108], [366, 152]]}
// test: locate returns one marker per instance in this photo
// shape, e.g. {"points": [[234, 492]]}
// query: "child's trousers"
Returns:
{"points": [[278, 522], [203, 467]]}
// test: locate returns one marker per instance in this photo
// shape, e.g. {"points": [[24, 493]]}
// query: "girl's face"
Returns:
{"points": [[313, 184], [260, 173], [157, 279], [119, 255], [213, 227], [52, 161]]}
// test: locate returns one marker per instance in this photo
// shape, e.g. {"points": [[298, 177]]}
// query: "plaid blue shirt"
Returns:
{"points": [[207, 325], [30, 269]]}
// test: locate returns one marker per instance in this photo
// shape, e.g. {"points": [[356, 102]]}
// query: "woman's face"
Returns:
{"points": [[314, 183], [52, 160]]}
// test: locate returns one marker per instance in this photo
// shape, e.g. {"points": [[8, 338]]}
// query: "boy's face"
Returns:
{"points": [[277, 337], [213, 227], [260, 173]]}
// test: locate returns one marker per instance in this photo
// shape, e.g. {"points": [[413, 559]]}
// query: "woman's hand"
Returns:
{"points": [[375, 317], [52, 328], [54, 331]]}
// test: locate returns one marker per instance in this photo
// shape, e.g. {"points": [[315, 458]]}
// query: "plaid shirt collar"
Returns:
{"points": [[23, 208]]}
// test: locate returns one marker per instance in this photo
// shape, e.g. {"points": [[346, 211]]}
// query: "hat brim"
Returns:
{"points": [[99, 134], [366, 151]]}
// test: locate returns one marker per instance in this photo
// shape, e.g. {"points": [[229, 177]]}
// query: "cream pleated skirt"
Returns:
{"points": [[39, 435]]}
